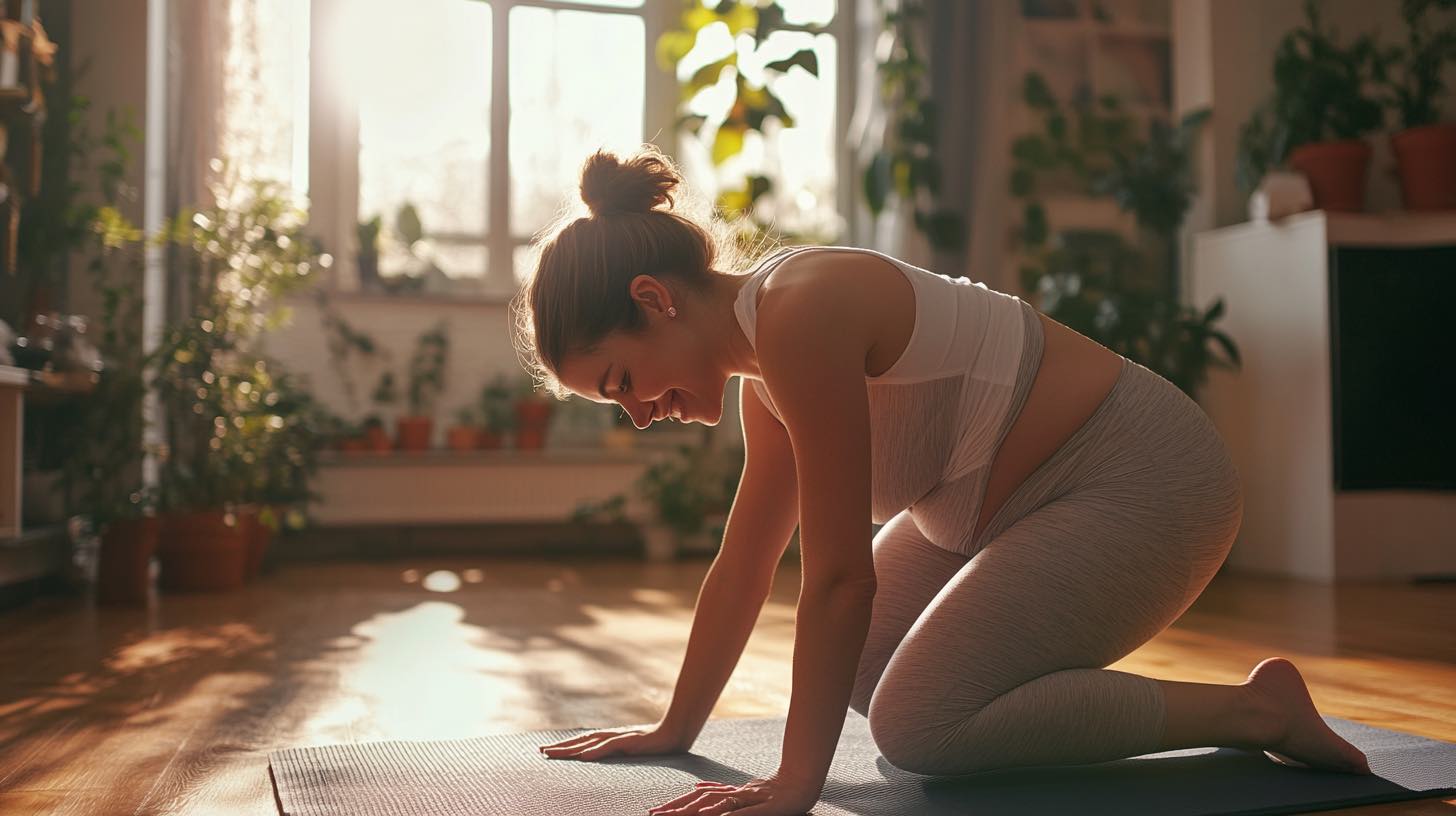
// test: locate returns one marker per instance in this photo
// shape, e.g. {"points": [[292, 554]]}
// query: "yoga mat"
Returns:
{"points": [[504, 774]]}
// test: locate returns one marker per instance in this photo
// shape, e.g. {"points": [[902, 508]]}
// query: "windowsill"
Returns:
{"points": [[499, 456], [491, 299]]}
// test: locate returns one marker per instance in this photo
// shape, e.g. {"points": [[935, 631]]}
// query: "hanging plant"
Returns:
{"points": [[752, 105], [906, 163]]}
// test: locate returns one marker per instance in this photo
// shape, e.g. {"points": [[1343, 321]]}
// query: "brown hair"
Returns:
{"points": [[577, 294]]}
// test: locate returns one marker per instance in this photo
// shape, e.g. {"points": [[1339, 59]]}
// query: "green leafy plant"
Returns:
{"points": [[227, 408], [906, 163], [101, 477], [1416, 86], [1096, 282], [685, 489], [1319, 94], [752, 106], [345, 342], [497, 404], [1092, 282], [427, 370]]}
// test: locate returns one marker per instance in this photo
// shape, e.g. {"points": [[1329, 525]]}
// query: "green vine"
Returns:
{"points": [[906, 162]]}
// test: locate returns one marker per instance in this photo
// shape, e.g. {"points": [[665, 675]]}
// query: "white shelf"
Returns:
{"points": [[1393, 229]]}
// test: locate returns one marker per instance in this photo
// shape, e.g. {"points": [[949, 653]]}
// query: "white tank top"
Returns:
{"points": [[938, 414]]}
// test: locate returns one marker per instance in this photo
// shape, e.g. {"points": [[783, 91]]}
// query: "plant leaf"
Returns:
{"points": [[805, 58]]}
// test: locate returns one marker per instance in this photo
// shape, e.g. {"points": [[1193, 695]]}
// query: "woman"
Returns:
{"points": [[1048, 505]]}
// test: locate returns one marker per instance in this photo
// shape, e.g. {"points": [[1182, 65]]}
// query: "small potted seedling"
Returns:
{"points": [[464, 435], [533, 415], [386, 394], [497, 405], [427, 380]]}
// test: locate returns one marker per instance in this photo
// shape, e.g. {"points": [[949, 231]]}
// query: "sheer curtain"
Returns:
{"points": [[235, 92]]}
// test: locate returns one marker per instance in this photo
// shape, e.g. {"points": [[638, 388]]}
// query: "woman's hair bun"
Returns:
{"points": [[638, 184]]}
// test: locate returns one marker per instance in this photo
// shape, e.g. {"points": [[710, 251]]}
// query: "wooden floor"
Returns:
{"points": [[173, 708]]}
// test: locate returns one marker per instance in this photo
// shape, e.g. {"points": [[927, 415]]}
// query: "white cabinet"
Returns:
{"points": [[1342, 420]]}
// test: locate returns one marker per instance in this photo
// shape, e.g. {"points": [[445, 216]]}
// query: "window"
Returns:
{"points": [[478, 115]]}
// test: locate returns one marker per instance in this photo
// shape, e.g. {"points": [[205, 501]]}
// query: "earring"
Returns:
{"points": [[672, 311]]}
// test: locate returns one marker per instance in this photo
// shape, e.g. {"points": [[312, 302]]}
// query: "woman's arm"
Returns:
{"points": [[764, 514], [813, 343]]}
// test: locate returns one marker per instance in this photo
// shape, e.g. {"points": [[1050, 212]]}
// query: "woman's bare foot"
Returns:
{"points": [[1302, 738]]}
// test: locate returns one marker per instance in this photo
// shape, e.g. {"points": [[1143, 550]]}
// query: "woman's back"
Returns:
{"points": [[940, 410]]}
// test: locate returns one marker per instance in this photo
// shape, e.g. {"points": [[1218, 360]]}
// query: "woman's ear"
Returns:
{"points": [[651, 294]]}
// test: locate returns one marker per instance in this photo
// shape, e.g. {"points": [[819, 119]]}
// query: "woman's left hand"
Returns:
{"points": [[761, 797]]}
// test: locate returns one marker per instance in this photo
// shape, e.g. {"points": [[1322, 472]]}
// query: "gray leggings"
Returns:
{"points": [[996, 661]]}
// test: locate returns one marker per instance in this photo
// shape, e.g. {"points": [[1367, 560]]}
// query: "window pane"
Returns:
{"points": [[459, 261], [423, 84], [800, 159], [577, 82], [807, 12]]}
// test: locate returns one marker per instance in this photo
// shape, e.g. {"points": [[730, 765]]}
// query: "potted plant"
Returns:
{"points": [[218, 394], [497, 406], [101, 478], [426, 381], [385, 395], [533, 415], [1317, 115], [464, 435], [1425, 147], [286, 432]]}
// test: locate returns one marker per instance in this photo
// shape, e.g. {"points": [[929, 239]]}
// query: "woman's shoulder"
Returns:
{"points": [[828, 268], [838, 291]]}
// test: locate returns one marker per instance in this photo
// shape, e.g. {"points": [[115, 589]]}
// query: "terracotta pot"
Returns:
{"points": [[124, 573], [257, 535], [488, 439], [354, 444], [1336, 172], [463, 438], [532, 417], [1426, 157], [202, 551], [377, 440], [414, 433]]}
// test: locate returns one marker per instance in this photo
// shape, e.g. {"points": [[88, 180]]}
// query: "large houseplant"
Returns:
{"points": [[1425, 146], [220, 400], [1315, 119]]}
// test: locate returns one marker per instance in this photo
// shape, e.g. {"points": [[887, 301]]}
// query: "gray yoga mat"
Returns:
{"points": [[504, 774]]}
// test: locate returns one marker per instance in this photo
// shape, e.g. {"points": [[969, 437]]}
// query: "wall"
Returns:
{"points": [[110, 39]]}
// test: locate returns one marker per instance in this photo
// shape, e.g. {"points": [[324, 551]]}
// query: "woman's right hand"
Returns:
{"points": [[620, 741]]}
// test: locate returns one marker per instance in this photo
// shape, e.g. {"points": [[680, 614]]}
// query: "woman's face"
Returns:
{"points": [[665, 371]]}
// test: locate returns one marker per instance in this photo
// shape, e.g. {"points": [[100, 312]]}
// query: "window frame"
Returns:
{"points": [[333, 135]]}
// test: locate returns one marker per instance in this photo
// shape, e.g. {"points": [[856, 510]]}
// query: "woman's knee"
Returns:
{"points": [[929, 745], [923, 733]]}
